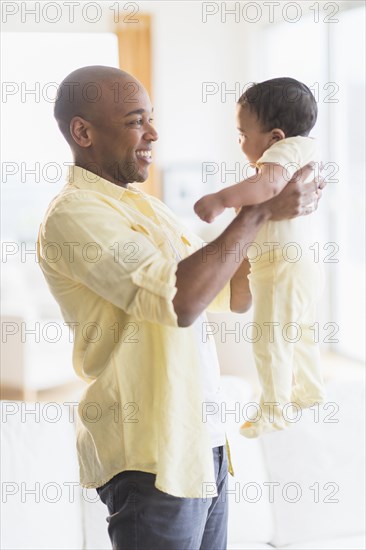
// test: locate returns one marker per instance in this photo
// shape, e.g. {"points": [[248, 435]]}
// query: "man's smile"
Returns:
{"points": [[144, 154]]}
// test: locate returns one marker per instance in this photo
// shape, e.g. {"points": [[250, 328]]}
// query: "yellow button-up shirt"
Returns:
{"points": [[107, 253]]}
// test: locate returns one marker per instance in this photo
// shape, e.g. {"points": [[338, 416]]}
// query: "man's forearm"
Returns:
{"points": [[240, 295], [201, 276]]}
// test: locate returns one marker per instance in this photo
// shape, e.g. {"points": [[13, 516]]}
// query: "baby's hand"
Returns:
{"points": [[208, 207]]}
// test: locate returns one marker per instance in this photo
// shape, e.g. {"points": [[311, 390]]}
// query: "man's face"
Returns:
{"points": [[252, 139], [122, 132]]}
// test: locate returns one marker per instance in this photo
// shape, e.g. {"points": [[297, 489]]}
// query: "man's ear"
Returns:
{"points": [[276, 135], [80, 131]]}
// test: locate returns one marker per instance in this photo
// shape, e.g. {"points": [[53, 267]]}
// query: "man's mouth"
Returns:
{"points": [[144, 154]]}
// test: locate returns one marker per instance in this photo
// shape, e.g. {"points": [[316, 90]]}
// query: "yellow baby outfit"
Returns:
{"points": [[286, 283]]}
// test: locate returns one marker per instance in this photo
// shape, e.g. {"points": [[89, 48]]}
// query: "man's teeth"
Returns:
{"points": [[142, 153]]}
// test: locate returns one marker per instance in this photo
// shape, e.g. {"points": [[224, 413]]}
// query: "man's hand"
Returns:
{"points": [[208, 207], [297, 198]]}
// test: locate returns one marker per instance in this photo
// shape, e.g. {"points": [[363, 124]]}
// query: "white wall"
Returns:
{"points": [[186, 53]]}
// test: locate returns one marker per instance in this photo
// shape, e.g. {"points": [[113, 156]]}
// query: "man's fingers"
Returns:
{"points": [[321, 182], [309, 192], [309, 168], [305, 171], [312, 192], [309, 209], [318, 182]]}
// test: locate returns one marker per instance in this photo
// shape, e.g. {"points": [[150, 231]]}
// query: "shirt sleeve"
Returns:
{"points": [[93, 244], [292, 153]]}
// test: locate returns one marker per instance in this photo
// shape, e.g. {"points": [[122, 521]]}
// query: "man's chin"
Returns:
{"points": [[134, 173], [141, 176]]}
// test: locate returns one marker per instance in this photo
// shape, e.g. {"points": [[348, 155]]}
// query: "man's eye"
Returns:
{"points": [[134, 122]]}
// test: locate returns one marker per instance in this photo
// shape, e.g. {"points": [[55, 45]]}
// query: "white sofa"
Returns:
{"points": [[36, 353], [315, 469]]}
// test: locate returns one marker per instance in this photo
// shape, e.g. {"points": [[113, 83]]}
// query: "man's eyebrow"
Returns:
{"points": [[138, 112]]}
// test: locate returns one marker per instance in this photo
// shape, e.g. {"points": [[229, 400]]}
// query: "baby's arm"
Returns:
{"points": [[266, 184]]}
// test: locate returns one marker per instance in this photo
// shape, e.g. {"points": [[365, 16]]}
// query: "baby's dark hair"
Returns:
{"points": [[282, 103]]}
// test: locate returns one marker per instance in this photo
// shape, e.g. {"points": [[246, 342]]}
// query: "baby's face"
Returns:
{"points": [[253, 141]]}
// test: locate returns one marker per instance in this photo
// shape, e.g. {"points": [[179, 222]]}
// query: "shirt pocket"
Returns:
{"points": [[185, 240], [141, 228], [153, 235]]}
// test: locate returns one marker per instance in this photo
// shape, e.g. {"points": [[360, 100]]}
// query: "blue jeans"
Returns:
{"points": [[144, 518]]}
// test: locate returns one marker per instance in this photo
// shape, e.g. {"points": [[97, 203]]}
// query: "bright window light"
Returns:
{"points": [[31, 140], [331, 63]]}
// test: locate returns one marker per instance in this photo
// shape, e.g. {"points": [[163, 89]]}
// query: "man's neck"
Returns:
{"points": [[98, 171]]}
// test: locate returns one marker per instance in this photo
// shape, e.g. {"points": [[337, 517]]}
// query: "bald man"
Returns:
{"points": [[135, 284]]}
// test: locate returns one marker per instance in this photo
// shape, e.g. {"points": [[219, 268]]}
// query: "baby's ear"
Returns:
{"points": [[276, 135]]}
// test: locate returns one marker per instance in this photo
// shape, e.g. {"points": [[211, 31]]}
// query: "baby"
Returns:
{"points": [[274, 120]]}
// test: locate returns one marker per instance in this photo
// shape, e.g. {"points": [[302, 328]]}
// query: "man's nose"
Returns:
{"points": [[151, 134]]}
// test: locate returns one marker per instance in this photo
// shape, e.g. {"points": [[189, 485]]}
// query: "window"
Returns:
{"points": [[331, 62], [347, 220], [31, 141]]}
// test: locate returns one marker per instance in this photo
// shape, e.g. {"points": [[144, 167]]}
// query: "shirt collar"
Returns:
{"points": [[84, 179]]}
